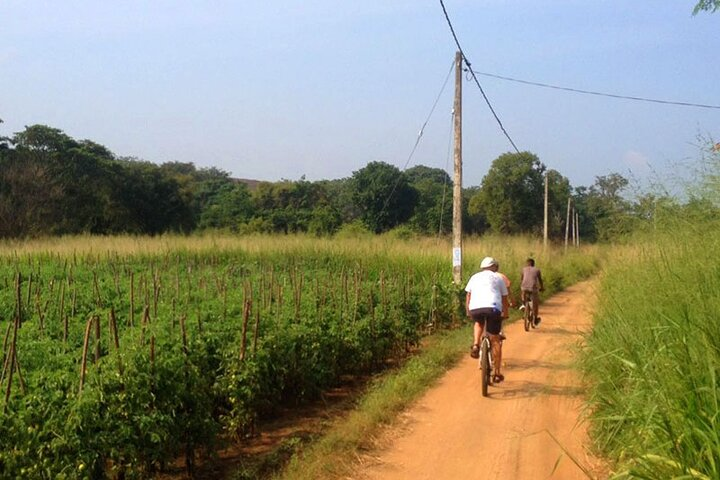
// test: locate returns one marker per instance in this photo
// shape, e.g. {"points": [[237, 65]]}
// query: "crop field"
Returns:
{"points": [[122, 354]]}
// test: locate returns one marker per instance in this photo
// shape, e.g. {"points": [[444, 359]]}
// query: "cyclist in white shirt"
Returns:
{"points": [[486, 303]]}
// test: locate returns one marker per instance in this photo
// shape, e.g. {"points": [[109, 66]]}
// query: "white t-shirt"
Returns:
{"points": [[486, 290]]}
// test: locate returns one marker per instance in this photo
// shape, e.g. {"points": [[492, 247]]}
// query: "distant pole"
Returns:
{"points": [[545, 218], [567, 224], [577, 229], [457, 179], [572, 226]]}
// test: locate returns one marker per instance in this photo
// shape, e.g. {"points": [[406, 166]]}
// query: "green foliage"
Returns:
{"points": [[230, 207], [433, 210], [512, 193], [652, 358], [383, 195], [707, 6], [354, 229]]}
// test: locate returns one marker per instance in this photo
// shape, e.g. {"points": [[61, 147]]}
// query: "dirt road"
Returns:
{"points": [[528, 428]]}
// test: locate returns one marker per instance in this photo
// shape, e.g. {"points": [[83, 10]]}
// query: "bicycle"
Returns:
{"points": [[528, 311]]}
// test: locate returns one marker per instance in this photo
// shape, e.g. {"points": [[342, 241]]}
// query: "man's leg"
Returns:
{"points": [[477, 332], [497, 352]]}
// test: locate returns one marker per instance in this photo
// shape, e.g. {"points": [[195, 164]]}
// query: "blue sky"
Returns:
{"points": [[281, 89]]}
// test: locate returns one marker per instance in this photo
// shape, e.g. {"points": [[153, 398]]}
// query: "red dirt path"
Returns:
{"points": [[528, 428]]}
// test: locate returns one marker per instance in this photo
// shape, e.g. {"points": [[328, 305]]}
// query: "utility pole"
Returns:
{"points": [[545, 220], [567, 224], [457, 178], [577, 229]]}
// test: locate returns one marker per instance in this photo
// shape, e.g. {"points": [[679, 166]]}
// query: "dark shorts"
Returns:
{"points": [[489, 318], [534, 294]]}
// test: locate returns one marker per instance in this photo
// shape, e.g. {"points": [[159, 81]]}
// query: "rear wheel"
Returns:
{"points": [[531, 313], [526, 315], [485, 366]]}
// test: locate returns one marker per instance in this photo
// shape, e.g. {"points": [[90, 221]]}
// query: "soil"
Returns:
{"points": [[529, 427]]}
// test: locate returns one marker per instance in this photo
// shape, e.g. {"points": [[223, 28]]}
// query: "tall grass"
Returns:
{"points": [[653, 358]]}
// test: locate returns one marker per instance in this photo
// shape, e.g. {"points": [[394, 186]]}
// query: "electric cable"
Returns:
{"points": [[447, 177], [417, 141], [601, 94], [477, 82]]}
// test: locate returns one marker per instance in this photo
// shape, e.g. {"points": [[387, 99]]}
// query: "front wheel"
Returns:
{"points": [[485, 366]]}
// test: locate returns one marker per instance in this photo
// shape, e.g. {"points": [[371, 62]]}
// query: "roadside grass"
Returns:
{"points": [[653, 358]]}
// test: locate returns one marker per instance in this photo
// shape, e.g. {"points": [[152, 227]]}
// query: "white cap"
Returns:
{"points": [[488, 262]]}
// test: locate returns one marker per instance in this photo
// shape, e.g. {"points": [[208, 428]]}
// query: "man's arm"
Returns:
{"points": [[505, 308], [467, 304]]}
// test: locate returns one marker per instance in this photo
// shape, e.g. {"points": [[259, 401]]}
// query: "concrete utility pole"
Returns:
{"points": [[457, 179], [545, 220], [577, 229], [567, 224]]}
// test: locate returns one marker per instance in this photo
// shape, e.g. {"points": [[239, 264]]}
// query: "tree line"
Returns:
{"points": [[52, 184]]}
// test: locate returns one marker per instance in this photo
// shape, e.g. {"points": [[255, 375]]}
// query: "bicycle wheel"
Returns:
{"points": [[531, 313], [485, 365], [526, 316]]}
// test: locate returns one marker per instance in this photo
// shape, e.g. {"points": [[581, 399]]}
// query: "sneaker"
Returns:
{"points": [[502, 336], [475, 351]]}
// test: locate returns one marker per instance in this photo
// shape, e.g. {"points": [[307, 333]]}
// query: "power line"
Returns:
{"points": [[417, 140], [477, 82], [600, 94], [447, 176]]}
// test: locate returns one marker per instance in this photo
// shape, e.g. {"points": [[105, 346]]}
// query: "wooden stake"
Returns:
{"points": [[83, 364], [246, 316], [132, 298]]}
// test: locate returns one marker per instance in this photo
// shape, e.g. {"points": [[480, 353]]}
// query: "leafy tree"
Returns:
{"points": [[559, 190], [300, 206], [383, 196], [707, 6], [511, 194], [474, 220], [606, 213], [433, 210], [340, 196], [229, 208]]}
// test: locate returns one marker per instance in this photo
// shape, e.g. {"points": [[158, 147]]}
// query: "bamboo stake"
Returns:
{"points": [[97, 339], [116, 339], [29, 289], [62, 302], [6, 352], [16, 363], [96, 287], [255, 333], [18, 297], [9, 385], [246, 316], [83, 364]]}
